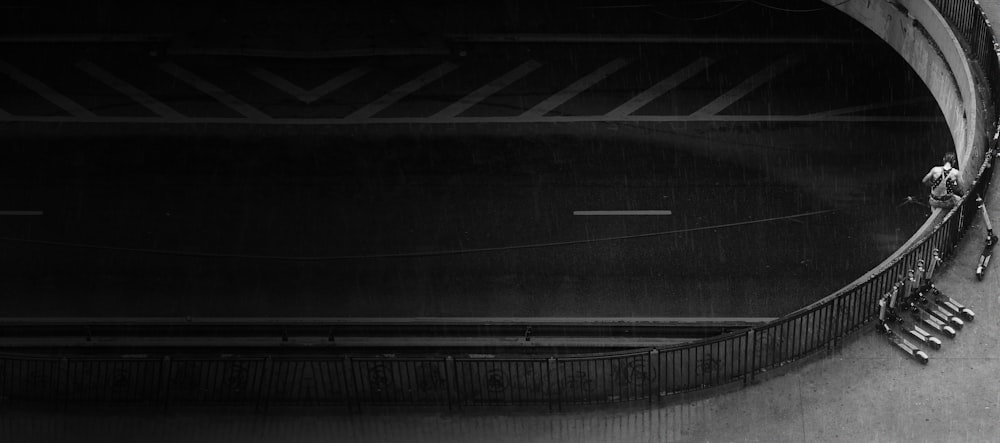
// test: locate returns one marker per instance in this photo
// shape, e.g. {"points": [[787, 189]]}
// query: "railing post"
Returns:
{"points": [[450, 381], [748, 365], [264, 396], [61, 391], [165, 382], [654, 374], [551, 366], [351, 388], [835, 322]]}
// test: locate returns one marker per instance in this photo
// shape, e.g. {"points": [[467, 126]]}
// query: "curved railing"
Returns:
{"points": [[645, 374]]}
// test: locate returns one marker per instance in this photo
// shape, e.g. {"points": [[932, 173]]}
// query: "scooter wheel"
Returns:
{"points": [[934, 342], [968, 314], [949, 331]]}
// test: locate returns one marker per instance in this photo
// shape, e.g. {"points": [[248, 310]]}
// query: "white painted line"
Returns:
{"points": [[311, 55], [21, 213], [405, 321], [574, 89], [127, 89], [487, 90], [214, 91], [640, 38], [744, 88], [86, 38], [68, 105], [852, 109], [639, 212], [490, 120], [307, 95], [369, 110], [661, 87]]}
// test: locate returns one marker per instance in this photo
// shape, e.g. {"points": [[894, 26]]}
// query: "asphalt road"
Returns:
{"points": [[394, 186]]}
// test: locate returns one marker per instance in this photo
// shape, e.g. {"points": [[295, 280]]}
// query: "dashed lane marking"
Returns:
{"points": [[575, 88], [129, 90], [746, 87], [214, 91], [661, 87], [638, 212], [307, 95], [369, 110], [489, 89], [45, 91]]}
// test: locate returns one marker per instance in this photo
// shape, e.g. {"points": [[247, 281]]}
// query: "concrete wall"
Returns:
{"points": [[918, 32]]}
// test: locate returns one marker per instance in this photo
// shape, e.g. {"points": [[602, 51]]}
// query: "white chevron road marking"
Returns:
{"points": [[307, 95], [747, 86], [489, 89], [369, 110], [40, 88], [575, 88], [661, 87], [129, 90], [216, 92]]}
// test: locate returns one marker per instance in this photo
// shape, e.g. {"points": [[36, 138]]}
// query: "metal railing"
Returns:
{"points": [[640, 375]]}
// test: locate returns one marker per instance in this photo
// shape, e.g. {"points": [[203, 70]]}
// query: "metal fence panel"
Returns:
{"points": [[605, 379], [490, 381], [30, 379], [307, 381], [704, 364], [224, 380], [114, 380], [400, 381]]}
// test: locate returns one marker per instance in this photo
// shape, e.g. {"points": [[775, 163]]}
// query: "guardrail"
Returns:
{"points": [[640, 375]]}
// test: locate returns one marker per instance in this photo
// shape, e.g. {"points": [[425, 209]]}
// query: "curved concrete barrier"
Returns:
{"points": [[923, 37]]}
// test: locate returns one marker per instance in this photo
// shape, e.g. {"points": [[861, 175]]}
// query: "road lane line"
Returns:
{"points": [[488, 89], [661, 87], [746, 87], [126, 88], [21, 213], [216, 92], [638, 212], [488, 120], [311, 55], [852, 109], [379, 321], [369, 110], [575, 88], [68, 105], [643, 38], [302, 94]]}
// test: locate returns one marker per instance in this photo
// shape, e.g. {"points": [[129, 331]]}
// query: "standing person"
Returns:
{"points": [[945, 183]]}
